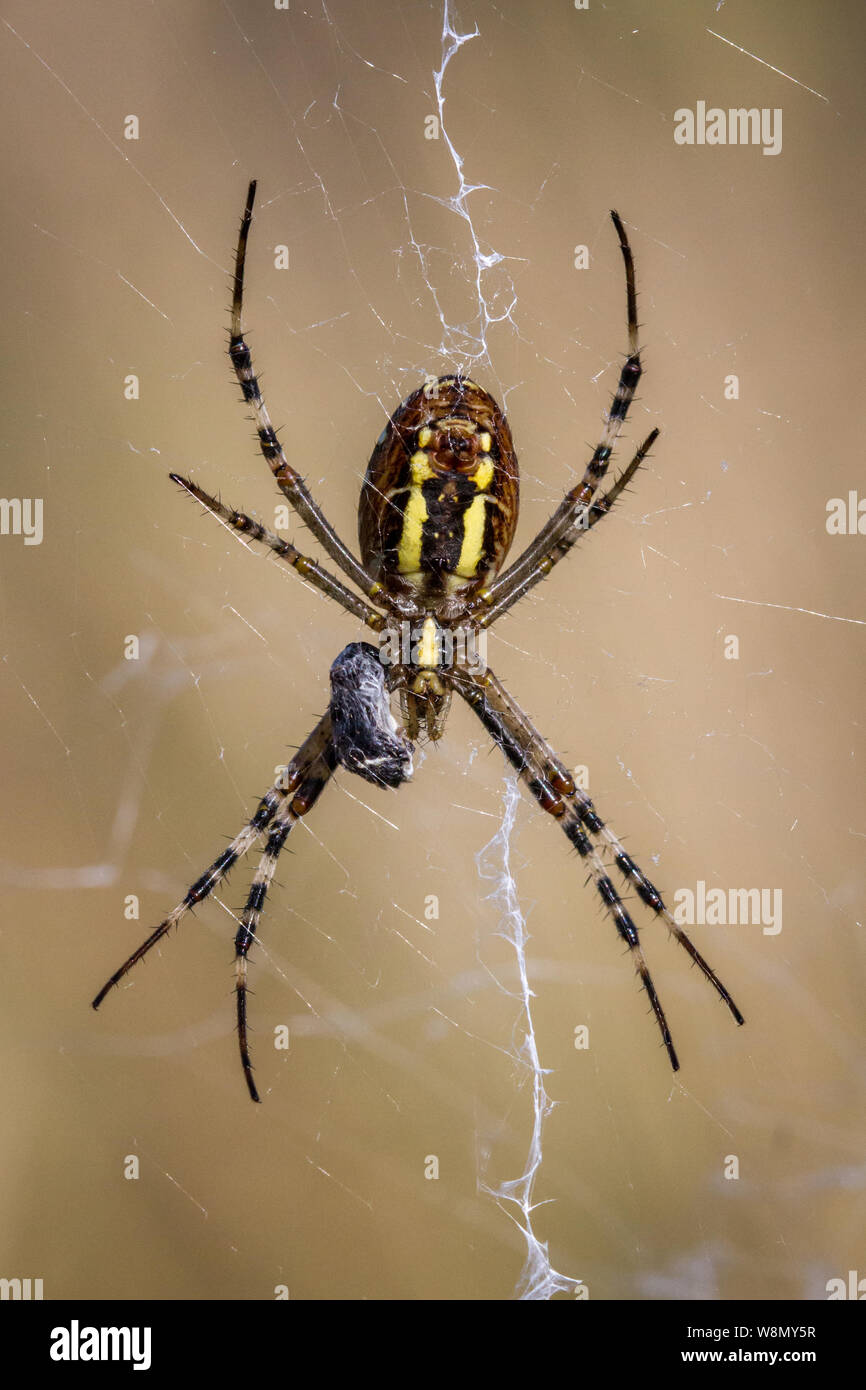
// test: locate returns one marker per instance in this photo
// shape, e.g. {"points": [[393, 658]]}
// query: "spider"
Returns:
{"points": [[437, 514]]}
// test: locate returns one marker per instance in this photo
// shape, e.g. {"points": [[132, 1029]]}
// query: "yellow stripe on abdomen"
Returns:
{"points": [[414, 515], [412, 535], [471, 551]]}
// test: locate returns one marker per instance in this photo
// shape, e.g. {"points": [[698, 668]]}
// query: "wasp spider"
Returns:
{"points": [[437, 515]]}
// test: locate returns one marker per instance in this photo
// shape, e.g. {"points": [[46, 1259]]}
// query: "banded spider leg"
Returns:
{"points": [[278, 811], [554, 790]]}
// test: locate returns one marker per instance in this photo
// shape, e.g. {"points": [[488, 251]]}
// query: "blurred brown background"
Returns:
{"points": [[125, 777]]}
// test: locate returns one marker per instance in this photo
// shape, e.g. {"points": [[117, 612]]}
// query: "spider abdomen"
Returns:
{"points": [[439, 504]]}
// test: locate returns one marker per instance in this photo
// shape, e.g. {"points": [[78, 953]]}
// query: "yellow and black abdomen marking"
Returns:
{"points": [[445, 525], [440, 498], [478, 550]]}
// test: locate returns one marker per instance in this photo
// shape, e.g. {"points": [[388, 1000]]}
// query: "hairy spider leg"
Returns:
{"points": [[308, 569], [290, 784], [289, 481], [579, 499], [314, 768], [599, 509], [546, 778]]}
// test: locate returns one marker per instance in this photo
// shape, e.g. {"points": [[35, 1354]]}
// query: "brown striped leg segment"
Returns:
{"points": [[243, 841], [490, 610], [308, 569], [289, 481], [649, 894], [579, 499], [316, 776], [204, 886], [555, 792]]}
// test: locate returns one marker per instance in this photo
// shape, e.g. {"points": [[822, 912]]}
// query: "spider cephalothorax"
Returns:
{"points": [[437, 515]]}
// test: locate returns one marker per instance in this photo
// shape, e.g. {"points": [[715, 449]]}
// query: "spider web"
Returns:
{"points": [[409, 257]]}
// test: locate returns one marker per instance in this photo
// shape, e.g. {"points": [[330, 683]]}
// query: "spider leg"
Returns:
{"points": [[289, 481], [316, 773], [599, 509], [362, 736], [554, 790], [578, 501], [308, 569], [292, 783], [649, 894]]}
